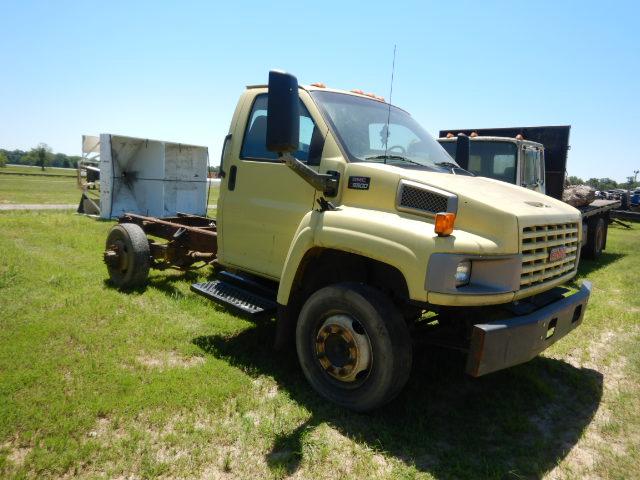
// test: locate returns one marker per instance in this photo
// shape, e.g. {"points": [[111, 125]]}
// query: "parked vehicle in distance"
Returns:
{"points": [[342, 216], [534, 158]]}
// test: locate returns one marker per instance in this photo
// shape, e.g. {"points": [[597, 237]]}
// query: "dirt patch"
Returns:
{"points": [[602, 357], [169, 360], [583, 458], [16, 452], [265, 387], [18, 455]]}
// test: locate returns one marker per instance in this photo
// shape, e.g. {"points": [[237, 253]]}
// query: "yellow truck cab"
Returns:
{"points": [[341, 215]]}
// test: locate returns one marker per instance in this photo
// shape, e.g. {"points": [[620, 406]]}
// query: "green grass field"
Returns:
{"points": [[33, 189], [29, 170], [161, 383], [38, 189]]}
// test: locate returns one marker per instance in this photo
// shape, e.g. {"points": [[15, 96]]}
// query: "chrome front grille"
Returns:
{"points": [[538, 243]]}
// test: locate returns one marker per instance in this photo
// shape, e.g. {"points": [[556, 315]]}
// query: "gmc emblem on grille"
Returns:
{"points": [[557, 253]]}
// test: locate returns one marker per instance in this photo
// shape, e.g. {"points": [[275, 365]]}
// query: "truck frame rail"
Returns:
{"points": [[189, 239]]}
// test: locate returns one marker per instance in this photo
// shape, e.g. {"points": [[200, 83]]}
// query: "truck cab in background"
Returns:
{"points": [[533, 158], [512, 160]]}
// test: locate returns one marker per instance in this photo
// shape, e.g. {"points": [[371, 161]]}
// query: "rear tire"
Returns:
{"points": [[353, 346], [595, 238], [130, 267]]}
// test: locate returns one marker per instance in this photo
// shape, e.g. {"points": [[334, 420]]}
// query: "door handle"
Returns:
{"points": [[231, 183]]}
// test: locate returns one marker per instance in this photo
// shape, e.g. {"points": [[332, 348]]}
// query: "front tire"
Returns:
{"points": [[353, 346]]}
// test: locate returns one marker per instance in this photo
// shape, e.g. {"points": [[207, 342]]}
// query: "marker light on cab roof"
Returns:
{"points": [[368, 94]]}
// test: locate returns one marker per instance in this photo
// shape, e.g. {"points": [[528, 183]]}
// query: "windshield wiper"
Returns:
{"points": [[394, 157], [454, 167]]}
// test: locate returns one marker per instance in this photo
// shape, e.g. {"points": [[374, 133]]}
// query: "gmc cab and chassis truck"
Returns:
{"points": [[341, 214]]}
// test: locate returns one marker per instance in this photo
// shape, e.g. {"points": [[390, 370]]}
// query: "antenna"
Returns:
{"points": [[393, 69]]}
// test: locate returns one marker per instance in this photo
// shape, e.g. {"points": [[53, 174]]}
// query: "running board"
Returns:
{"points": [[243, 295]]}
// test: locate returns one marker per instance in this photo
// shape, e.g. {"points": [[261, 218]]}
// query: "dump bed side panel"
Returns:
{"points": [[556, 144]]}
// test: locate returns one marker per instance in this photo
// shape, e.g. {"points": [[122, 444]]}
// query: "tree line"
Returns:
{"points": [[41, 156], [606, 183]]}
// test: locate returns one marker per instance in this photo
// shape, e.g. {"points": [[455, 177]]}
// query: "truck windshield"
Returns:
{"points": [[491, 159], [361, 126]]}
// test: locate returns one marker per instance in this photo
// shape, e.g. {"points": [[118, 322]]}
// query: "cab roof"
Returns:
{"points": [[315, 87], [494, 139]]}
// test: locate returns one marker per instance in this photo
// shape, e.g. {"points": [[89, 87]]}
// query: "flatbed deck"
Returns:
{"points": [[599, 206]]}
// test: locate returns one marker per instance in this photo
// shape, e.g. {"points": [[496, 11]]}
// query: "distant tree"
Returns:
{"points": [[608, 184], [631, 183], [3, 160], [40, 156], [602, 183], [13, 156], [59, 159], [573, 180]]}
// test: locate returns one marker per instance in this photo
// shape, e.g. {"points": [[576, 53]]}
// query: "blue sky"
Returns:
{"points": [[174, 70]]}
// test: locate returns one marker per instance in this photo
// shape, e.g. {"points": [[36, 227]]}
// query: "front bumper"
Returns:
{"points": [[505, 343]]}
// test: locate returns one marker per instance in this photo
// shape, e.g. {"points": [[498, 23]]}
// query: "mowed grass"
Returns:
{"points": [[35, 189], [38, 189], [161, 383], [31, 170]]}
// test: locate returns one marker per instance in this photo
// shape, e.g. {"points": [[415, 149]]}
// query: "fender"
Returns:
{"points": [[403, 241], [346, 229]]}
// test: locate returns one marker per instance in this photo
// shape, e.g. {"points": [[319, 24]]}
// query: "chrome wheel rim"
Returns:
{"points": [[343, 349]]}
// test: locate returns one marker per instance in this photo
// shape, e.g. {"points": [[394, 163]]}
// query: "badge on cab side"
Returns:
{"points": [[359, 183]]}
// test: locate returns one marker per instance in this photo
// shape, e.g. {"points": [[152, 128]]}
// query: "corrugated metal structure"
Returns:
{"points": [[148, 177]]}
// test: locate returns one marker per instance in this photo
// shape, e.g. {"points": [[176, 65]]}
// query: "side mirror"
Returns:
{"points": [[462, 150], [283, 115]]}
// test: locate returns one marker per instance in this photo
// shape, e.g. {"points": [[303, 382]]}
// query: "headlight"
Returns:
{"points": [[463, 272]]}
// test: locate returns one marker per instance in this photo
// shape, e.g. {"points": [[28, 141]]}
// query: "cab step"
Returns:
{"points": [[242, 294]]}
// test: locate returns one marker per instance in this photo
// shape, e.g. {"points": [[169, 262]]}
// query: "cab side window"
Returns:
{"points": [[254, 146]]}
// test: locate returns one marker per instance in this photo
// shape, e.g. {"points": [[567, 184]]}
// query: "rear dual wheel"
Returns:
{"points": [[353, 346], [596, 234]]}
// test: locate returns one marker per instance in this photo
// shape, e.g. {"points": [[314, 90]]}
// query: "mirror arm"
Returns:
{"points": [[327, 184]]}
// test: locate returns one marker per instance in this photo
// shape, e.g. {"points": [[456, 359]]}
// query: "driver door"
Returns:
{"points": [[262, 201]]}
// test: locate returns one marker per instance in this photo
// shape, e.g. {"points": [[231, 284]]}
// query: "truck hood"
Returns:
{"points": [[487, 207], [527, 205]]}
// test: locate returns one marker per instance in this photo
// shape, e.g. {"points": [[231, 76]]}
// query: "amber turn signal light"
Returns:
{"points": [[444, 224]]}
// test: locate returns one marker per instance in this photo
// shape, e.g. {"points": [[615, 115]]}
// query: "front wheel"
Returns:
{"points": [[353, 346]]}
